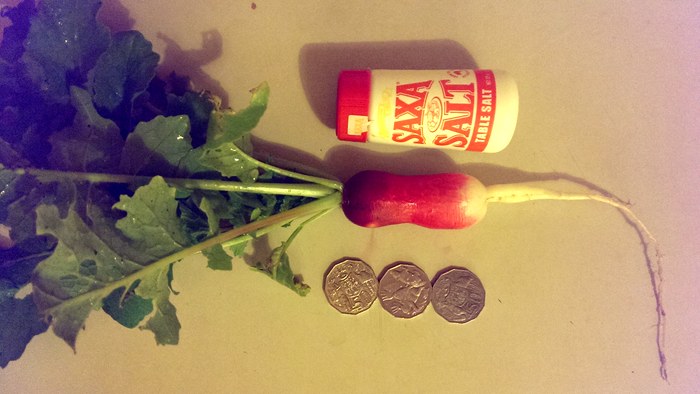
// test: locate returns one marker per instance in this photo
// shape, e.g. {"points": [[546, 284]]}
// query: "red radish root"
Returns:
{"points": [[441, 201]]}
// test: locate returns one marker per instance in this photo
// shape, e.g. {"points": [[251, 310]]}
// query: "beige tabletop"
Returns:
{"points": [[609, 93]]}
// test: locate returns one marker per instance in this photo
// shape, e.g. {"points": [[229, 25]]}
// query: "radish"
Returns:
{"points": [[440, 201], [453, 201]]}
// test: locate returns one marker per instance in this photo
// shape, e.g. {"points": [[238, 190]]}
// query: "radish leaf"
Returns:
{"points": [[207, 205], [19, 324], [122, 72], [198, 107], [218, 259], [19, 196], [12, 47], [84, 268], [127, 308], [164, 323], [59, 281], [226, 126], [157, 146], [84, 122], [151, 221], [63, 44], [226, 159], [279, 269], [91, 143]]}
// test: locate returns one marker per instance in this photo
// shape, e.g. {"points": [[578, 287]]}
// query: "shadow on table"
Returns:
{"points": [[320, 63]]}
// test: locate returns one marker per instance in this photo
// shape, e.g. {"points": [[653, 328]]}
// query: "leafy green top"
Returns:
{"points": [[109, 176]]}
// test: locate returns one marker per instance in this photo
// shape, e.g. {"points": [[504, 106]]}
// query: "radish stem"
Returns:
{"points": [[315, 190], [522, 192], [329, 183]]}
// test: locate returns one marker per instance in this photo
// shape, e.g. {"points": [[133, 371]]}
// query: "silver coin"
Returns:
{"points": [[404, 290], [351, 286], [458, 295]]}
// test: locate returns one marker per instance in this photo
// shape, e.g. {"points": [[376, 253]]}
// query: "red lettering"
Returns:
{"points": [[460, 124], [456, 140], [458, 107], [416, 90], [448, 89], [404, 138], [415, 108], [411, 125]]}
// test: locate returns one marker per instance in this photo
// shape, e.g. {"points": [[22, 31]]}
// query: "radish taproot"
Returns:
{"points": [[454, 201]]}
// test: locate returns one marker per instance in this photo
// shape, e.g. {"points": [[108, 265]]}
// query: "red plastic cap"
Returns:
{"points": [[353, 105]]}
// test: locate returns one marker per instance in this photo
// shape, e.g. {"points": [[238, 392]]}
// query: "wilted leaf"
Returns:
{"points": [[279, 269], [228, 126]]}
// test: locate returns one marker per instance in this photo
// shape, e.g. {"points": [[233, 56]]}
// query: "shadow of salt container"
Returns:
{"points": [[320, 64]]}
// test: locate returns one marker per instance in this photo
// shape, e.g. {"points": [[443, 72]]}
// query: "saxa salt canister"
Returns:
{"points": [[471, 110]]}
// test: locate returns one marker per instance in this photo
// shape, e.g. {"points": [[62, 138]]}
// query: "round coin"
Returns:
{"points": [[404, 290], [458, 295], [351, 286]]}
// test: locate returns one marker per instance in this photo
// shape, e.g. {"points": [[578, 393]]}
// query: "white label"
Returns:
{"points": [[451, 108], [357, 124]]}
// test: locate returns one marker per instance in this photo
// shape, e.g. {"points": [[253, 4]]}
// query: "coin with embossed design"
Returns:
{"points": [[351, 286], [404, 290], [458, 295]]}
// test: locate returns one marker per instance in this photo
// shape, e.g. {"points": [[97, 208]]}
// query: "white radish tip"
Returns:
{"points": [[474, 201]]}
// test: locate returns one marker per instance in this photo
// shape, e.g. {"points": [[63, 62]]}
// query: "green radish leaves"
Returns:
{"points": [[91, 143], [157, 146], [229, 126], [20, 322], [66, 286], [84, 268], [122, 73], [110, 175], [63, 44], [227, 160], [127, 308], [151, 220], [163, 322], [279, 269]]}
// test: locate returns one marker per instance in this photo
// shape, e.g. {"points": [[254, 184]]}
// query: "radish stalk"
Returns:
{"points": [[314, 190]]}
